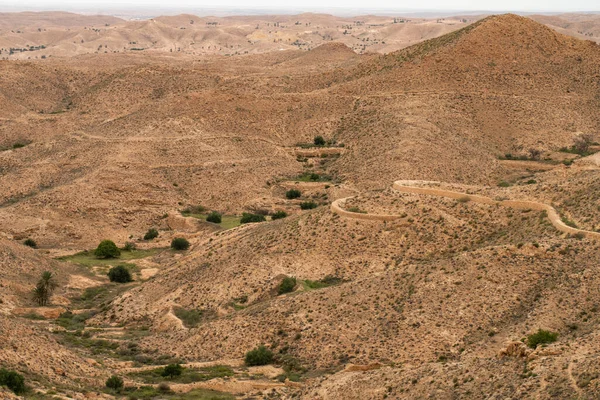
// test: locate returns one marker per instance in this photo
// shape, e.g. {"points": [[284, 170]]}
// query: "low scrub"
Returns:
{"points": [[12, 380], [31, 243], [308, 205], [287, 285], [180, 243], [120, 274], [259, 356], [214, 217], [541, 337], [190, 318], [248, 218], [279, 215], [151, 234], [293, 194]]}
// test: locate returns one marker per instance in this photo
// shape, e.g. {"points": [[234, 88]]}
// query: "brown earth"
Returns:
{"points": [[433, 303]]}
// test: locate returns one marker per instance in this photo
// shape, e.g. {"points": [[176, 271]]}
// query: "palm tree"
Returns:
{"points": [[44, 288]]}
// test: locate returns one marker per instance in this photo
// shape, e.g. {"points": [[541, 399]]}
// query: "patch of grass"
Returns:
{"points": [[73, 322], [34, 316], [356, 210], [321, 283], [188, 375], [98, 296], [503, 184], [87, 258], [190, 318], [568, 222]]}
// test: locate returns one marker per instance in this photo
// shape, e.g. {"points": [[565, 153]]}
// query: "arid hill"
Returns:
{"points": [[442, 300]]}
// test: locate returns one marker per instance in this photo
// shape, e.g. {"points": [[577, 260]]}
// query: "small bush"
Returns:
{"points": [[503, 184], [151, 234], [214, 217], [129, 246], [319, 141], [107, 249], [114, 383], [180, 243], [259, 356], [30, 242], [541, 337], [119, 274], [12, 380], [279, 215], [164, 387], [190, 318], [251, 218], [172, 370], [308, 205], [287, 285], [293, 194]]}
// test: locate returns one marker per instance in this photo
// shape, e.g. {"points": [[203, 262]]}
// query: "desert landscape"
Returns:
{"points": [[299, 207]]}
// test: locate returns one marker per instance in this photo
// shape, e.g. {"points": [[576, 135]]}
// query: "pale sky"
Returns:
{"points": [[308, 5]]}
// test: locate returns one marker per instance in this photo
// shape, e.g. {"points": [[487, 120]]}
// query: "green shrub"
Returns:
{"points": [[114, 383], [214, 217], [293, 194], [107, 249], [287, 285], [180, 243], [541, 337], [314, 177], [250, 218], [129, 246], [12, 380], [151, 234], [503, 184], [30, 242], [119, 274], [308, 205], [319, 141], [259, 356], [279, 215], [172, 370]]}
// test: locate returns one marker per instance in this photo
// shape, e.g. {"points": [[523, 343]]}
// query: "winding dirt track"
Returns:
{"points": [[417, 187]]}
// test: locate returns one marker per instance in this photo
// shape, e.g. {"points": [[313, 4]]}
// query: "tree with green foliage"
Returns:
{"points": [[119, 274], [107, 249], [44, 288], [172, 370], [541, 337], [115, 383], [180, 243], [259, 356], [12, 380], [214, 217], [279, 215], [319, 141], [251, 218], [151, 234], [287, 285], [30, 242], [293, 194]]}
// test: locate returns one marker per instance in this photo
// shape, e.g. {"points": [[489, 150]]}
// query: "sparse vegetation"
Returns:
{"points": [[30, 242], [114, 383], [248, 218], [308, 205], [107, 249], [151, 234], [172, 370], [12, 380], [541, 337], [259, 356], [287, 285], [293, 194], [214, 217], [279, 215], [44, 288], [180, 243], [120, 274], [190, 318]]}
